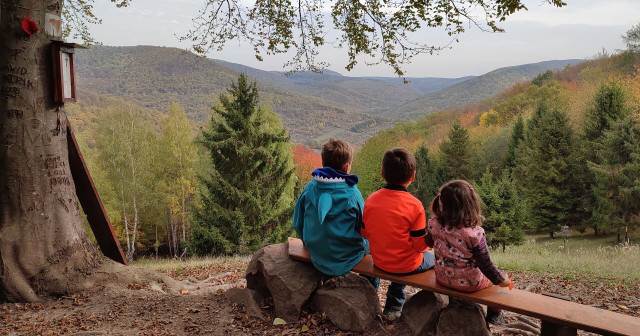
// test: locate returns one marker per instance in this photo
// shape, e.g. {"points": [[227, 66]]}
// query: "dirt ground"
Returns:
{"points": [[140, 309]]}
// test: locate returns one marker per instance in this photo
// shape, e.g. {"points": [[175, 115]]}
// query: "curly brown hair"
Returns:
{"points": [[457, 205]]}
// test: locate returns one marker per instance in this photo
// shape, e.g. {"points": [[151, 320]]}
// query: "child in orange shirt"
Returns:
{"points": [[394, 223]]}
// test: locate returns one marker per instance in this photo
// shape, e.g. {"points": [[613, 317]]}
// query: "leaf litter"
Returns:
{"points": [[137, 310]]}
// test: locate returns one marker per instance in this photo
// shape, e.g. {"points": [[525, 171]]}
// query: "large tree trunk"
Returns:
{"points": [[43, 245], [44, 249]]}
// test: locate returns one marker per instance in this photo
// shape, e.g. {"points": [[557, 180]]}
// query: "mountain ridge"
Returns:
{"points": [[476, 88], [312, 106]]}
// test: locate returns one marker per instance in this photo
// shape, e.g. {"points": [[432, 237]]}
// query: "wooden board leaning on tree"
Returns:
{"points": [[559, 317]]}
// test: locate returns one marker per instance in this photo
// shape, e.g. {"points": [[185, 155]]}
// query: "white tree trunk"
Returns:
{"points": [[124, 216]]}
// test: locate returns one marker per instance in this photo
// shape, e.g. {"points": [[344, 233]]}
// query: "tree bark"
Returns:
{"points": [[43, 245]]}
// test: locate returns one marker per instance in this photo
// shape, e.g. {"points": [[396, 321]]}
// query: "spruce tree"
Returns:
{"points": [[607, 107], [456, 155], [247, 198], [546, 170], [429, 177], [517, 135], [617, 186], [502, 210]]}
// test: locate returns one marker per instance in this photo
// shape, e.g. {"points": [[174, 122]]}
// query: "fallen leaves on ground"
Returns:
{"points": [[137, 310]]}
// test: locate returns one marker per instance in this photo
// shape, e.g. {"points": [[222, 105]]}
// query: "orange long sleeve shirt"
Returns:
{"points": [[395, 225]]}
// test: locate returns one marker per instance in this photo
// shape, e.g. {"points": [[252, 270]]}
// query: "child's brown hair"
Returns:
{"points": [[398, 165], [336, 153], [457, 205]]}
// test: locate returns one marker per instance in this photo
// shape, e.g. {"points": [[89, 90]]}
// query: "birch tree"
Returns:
{"points": [[178, 155], [125, 146]]}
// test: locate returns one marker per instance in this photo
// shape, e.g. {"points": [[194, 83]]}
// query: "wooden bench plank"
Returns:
{"points": [[549, 309]]}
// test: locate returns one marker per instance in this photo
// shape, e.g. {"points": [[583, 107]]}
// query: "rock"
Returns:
{"points": [[527, 320], [462, 318], [249, 299], [156, 287], [612, 307], [523, 327], [515, 331], [349, 302], [422, 310], [289, 282]]}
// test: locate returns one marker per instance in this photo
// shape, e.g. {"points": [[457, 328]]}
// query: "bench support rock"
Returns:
{"points": [[290, 283], [552, 329], [250, 299], [422, 311], [349, 302], [462, 317]]}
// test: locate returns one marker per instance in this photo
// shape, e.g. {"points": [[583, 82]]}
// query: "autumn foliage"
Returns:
{"points": [[306, 160]]}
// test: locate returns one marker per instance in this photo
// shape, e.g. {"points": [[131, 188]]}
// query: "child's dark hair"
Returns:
{"points": [[398, 166], [457, 205], [336, 153]]}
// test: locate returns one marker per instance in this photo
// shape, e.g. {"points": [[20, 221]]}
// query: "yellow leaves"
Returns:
{"points": [[489, 118], [632, 84]]}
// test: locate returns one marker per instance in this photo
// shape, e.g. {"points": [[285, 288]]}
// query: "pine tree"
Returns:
{"points": [[617, 177], [456, 155], [247, 199], [429, 177], [517, 135], [546, 170], [502, 210], [608, 106]]}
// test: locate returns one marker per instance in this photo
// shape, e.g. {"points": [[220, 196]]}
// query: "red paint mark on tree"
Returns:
{"points": [[29, 26]]}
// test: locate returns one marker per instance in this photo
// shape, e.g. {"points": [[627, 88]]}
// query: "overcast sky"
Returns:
{"points": [[580, 30]]}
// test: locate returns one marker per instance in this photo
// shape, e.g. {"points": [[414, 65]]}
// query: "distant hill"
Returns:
{"points": [[423, 85], [473, 89], [153, 77], [312, 106], [361, 94]]}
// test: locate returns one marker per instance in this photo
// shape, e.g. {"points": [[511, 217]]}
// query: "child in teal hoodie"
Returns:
{"points": [[328, 213]]}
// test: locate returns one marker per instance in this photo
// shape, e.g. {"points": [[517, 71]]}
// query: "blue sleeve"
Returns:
{"points": [[359, 210], [298, 216]]}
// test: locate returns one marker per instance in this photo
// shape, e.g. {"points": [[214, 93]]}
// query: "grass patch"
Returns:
{"points": [[582, 255], [332, 133], [177, 265]]}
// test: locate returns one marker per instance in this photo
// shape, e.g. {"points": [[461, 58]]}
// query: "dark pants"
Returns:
{"points": [[395, 293]]}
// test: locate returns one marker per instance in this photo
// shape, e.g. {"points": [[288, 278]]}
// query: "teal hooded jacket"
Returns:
{"points": [[327, 217]]}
